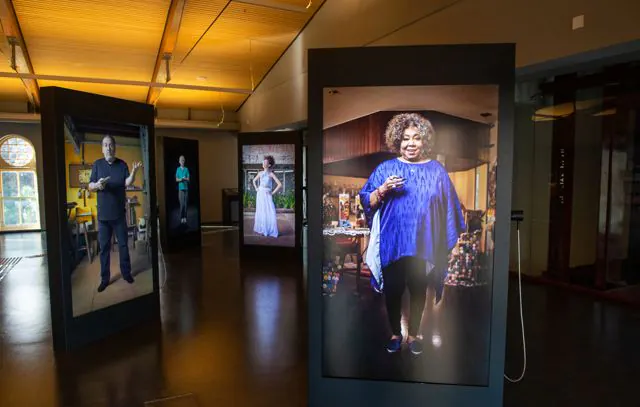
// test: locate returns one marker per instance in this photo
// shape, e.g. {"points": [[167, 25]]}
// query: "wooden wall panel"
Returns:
{"points": [[463, 141]]}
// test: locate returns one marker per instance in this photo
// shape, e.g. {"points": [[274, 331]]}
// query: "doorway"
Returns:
{"points": [[589, 122]]}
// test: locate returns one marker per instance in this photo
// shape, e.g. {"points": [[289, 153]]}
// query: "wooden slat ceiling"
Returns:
{"points": [[119, 39], [115, 39]]}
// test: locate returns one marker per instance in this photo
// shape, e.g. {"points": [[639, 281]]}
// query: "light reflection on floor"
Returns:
{"points": [[271, 310]]}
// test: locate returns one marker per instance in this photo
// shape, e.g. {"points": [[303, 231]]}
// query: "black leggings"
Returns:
{"points": [[407, 272]]}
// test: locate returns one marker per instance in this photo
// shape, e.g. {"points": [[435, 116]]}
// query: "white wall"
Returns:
{"points": [[541, 29]]}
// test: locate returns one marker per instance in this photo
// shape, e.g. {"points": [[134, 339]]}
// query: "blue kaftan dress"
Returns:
{"points": [[422, 219]]}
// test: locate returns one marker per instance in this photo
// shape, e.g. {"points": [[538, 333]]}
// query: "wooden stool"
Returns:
{"points": [[84, 221]]}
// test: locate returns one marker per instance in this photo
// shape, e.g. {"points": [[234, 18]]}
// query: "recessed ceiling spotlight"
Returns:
{"points": [[201, 78], [334, 91]]}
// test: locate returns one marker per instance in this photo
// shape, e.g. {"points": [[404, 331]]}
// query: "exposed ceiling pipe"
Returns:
{"points": [[124, 82], [167, 46], [167, 60], [13, 42]]}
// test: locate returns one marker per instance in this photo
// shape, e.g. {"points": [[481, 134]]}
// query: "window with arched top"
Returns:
{"points": [[18, 184]]}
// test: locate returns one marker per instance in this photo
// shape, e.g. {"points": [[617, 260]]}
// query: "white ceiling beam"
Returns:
{"points": [[124, 82], [159, 123]]}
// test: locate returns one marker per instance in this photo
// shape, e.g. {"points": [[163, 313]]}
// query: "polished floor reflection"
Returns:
{"points": [[234, 334]]}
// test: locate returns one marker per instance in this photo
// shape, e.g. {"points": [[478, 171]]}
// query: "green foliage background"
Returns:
{"points": [[282, 201]]}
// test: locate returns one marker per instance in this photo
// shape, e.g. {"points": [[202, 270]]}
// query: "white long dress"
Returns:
{"points": [[266, 223]]}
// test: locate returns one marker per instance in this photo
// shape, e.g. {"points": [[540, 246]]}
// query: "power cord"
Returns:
{"points": [[164, 265], [161, 254], [518, 216]]}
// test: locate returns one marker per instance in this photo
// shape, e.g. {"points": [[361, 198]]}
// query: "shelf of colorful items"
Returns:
{"points": [[338, 231], [331, 273], [465, 261]]}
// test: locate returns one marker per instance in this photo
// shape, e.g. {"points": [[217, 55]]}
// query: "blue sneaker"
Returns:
{"points": [[416, 347], [394, 345]]}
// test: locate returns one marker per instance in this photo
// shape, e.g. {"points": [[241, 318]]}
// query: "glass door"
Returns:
{"points": [[586, 157]]}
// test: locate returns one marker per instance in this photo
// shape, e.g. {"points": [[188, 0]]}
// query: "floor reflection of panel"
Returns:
{"points": [[184, 400], [176, 227]]}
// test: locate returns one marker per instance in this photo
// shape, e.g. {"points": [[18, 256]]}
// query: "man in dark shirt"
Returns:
{"points": [[109, 178]]}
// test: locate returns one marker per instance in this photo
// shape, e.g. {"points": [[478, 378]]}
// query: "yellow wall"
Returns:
{"points": [[464, 182], [483, 185], [93, 152], [540, 29]]}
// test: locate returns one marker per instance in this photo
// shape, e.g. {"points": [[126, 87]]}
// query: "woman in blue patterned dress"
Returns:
{"points": [[266, 222], [412, 204]]}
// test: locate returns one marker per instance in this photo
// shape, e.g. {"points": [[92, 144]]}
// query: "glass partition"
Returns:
{"points": [[575, 176]]}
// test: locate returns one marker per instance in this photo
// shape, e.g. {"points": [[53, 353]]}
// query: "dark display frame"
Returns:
{"points": [[484, 64], [194, 238], [267, 138], [70, 332]]}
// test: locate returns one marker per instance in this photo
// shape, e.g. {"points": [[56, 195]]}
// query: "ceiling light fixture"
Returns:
{"points": [[201, 78]]}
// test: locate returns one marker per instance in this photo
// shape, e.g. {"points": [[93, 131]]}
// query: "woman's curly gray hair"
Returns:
{"points": [[400, 122]]}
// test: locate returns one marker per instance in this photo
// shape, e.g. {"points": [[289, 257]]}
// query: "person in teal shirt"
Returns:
{"points": [[182, 178]]}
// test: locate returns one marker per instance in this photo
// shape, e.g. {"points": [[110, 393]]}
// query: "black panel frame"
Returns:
{"points": [[71, 332], [194, 238], [265, 138], [482, 64]]}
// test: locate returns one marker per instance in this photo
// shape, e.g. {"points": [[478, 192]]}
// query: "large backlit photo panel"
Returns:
{"points": [[409, 165], [108, 213], [101, 210], [408, 215], [269, 194], [182, 192]]}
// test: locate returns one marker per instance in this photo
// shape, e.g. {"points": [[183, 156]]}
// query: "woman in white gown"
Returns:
{"points": [[266, 223]]}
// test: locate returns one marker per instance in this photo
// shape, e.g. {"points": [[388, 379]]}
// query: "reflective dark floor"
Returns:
{"points": [[234, 334]]}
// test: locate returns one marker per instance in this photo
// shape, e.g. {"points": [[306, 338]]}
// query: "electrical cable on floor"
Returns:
{"points": [[164, 265], [524, 342]]}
